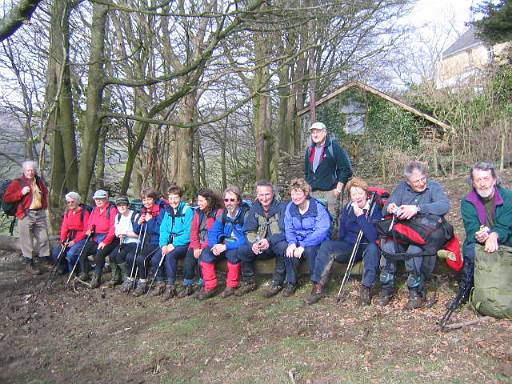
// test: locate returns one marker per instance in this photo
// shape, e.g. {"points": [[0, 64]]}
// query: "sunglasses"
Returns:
{"points": [[228, 200]]}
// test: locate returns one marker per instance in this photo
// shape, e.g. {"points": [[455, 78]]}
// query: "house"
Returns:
{"points": [[379, 131], [466, 60]]}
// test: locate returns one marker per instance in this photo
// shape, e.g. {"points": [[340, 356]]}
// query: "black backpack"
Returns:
{"points": [[8, 208]]}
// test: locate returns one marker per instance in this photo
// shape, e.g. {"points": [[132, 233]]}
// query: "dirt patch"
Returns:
{"points": [[77, 335]]}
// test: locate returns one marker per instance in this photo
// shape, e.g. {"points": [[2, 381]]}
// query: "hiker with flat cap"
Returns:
{"points": [[327, 168], [487, 215], [417, 193], [30, 194], [128, 240], [264, 228]]}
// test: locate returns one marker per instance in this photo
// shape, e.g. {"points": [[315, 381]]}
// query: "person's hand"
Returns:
{"points": [[297, 252], [197, 253], [101, 245], [491, 244], [357, 211], [141, 219], [407, 212], [482, 235], [217, 249], [71, 243], [391, 208], [25, 190], [290, 249], [339, 189], [256, 248], [264, 245], [88, 232]]}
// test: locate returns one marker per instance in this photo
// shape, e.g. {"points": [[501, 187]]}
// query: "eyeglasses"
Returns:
{"points": [[228, 200], [419, 181], [69, 202]]}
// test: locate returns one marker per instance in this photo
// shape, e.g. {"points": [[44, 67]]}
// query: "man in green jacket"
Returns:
{"points": [[487, 215]]}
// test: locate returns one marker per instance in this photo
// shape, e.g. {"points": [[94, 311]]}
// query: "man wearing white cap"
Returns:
{"points": [[327, 168]]}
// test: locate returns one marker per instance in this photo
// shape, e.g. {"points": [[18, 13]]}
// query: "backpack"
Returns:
{"points": [[136, 205], [430, 232], [492, 293], [8, 208], [85, 207]]}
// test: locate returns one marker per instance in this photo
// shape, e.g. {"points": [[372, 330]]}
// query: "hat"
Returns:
{"points": [[122, 200], [100, 194], [317, 125]]}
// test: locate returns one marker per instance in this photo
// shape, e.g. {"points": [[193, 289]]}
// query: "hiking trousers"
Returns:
{"points": [[34, 231], [247, 257], [340, 251], [292, 263]]}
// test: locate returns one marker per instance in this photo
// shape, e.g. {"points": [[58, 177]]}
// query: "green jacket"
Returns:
{"points": [[474, 215]]}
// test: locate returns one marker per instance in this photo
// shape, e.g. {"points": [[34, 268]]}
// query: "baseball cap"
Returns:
{"points": [[100, 194], [317, 125], [122, 200]]}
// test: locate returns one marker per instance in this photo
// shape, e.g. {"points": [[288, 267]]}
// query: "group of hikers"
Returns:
{"points": [[143, 248]]}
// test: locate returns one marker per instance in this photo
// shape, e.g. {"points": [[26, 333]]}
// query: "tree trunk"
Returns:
{"points": [[64, 169], [185, 146], [94, 98]]}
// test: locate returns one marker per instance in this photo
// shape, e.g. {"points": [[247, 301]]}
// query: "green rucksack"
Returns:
{"points": [[492, 294]]}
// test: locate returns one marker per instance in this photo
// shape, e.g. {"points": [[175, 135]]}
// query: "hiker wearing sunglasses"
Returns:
{"points": [[224, 240]]}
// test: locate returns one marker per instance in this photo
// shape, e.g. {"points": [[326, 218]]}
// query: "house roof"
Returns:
{"points": [[375, 91], [467, 40]]}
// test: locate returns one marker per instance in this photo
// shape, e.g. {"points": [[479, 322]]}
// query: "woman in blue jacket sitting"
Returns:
{"points": [[357, 216], [307, 225]]}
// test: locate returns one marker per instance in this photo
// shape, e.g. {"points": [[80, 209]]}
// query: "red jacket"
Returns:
{"points": [[104, 222], [13, 195], [74, 221], [196, 241]]}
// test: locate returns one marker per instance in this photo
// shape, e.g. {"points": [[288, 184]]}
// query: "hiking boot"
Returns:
{"points": [[96, 281], [228, 291], [204, 294], [317, 293], [289, 290], [158, 290], [415, 300], [83, 276], [364, 296], [170, 292], [272, 290], [142, 286], [127, 285], [246, 288], [32, 268], [385, 299], [186, 291]]}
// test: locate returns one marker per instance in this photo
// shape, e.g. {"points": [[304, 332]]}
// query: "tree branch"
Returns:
{"points": [[18, 15]]}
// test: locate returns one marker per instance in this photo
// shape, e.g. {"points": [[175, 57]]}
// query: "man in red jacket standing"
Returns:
{"points": [[31, 195]]}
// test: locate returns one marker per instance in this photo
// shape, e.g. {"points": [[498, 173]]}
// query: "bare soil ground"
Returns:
{"points": [[76, 335]]}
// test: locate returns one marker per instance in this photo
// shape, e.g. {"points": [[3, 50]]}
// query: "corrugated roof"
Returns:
{"points": [[467, 40]]}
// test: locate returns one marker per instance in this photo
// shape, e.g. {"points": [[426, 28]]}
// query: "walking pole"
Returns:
{"points": [[80, 254], [158, 267], [53, 272], [138, 249], [352, 259]]}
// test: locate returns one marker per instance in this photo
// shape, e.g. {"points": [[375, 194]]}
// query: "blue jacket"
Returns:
{"points": [[350, 225], [260, 225], [176, 225], [228, 231], [309, 229], [432, 200], [153, 225]]}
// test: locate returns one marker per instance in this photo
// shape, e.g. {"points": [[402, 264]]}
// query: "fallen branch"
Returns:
{"points": [[467, 323]]}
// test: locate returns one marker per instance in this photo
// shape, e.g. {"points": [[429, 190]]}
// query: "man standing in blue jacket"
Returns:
{"points": [[327, 168], [264, 229]]}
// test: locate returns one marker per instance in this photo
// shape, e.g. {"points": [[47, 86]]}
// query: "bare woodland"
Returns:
{"points": [[133, 93]]}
